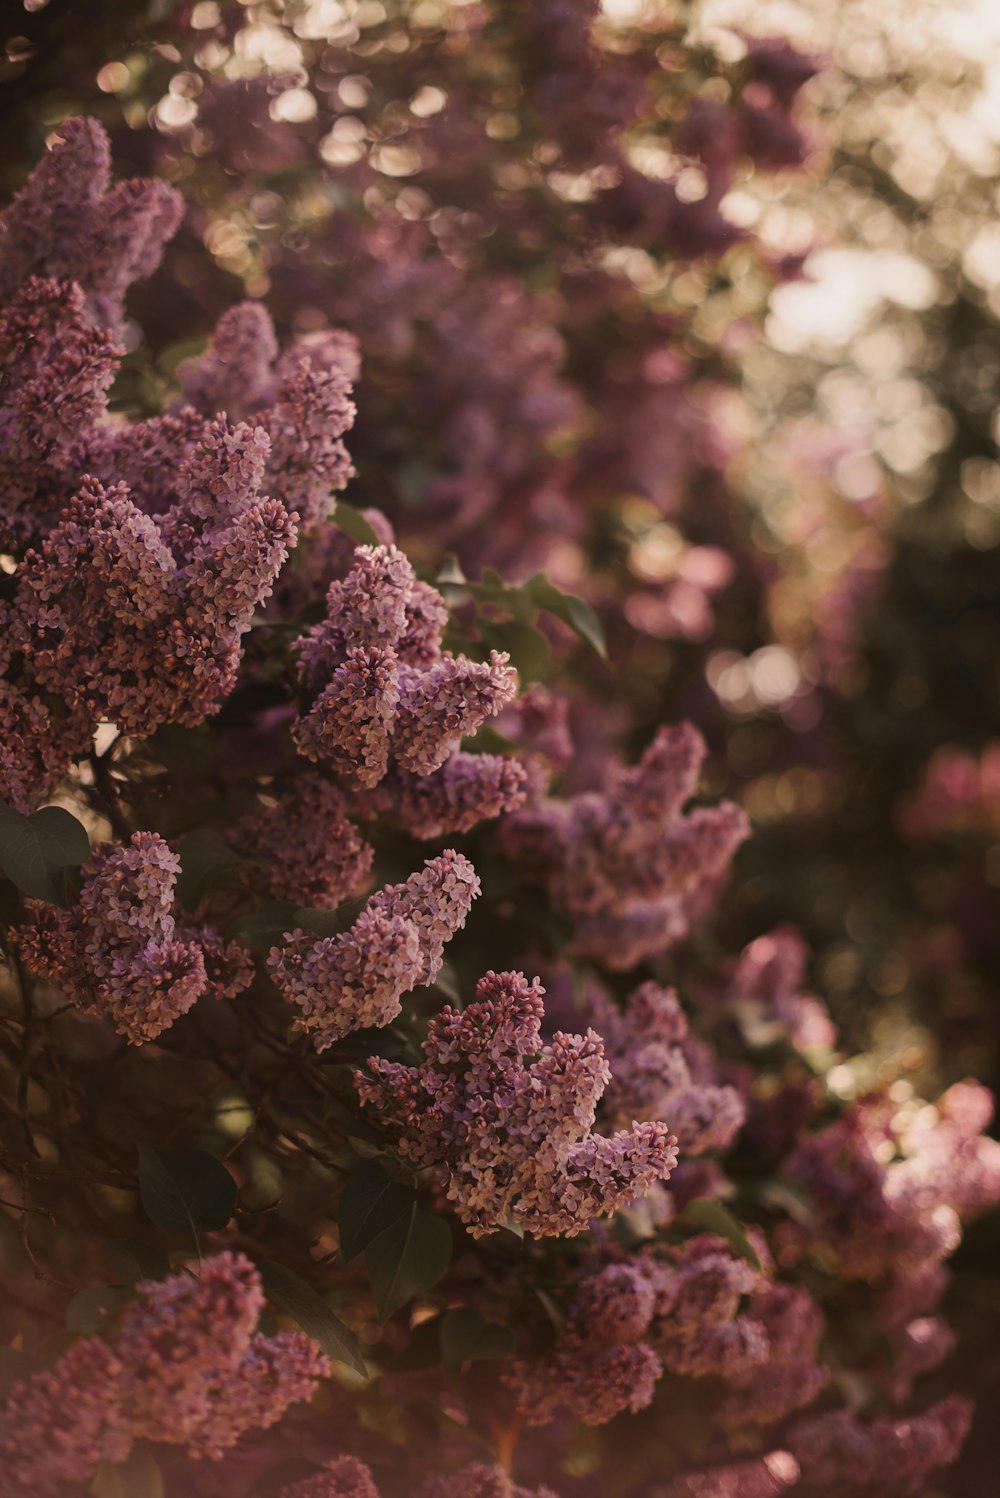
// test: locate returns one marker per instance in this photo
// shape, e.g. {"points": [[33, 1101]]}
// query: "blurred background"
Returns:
{"points": [[759, 434]]}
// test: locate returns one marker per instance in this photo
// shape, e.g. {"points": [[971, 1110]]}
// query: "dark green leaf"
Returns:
{"points": [[467, 1338], [15, 1366], [371, 1202], [90, 1309], [139, 1476], [265, 926], [133, 1260], [185, 1190], [407, 1259], [205, 856], [319, 922], [34, 850], [709, 1214], [354, 524], [298, 1299], [574, 611], [526, 646]]}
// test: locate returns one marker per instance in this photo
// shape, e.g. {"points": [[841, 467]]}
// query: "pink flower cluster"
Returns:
{"points": [[650, 1075], [377, 684], [627, 863], [507, 1120], [186, 1366], [357, 978], [345, 1477], [121, 954], [312, 853]]}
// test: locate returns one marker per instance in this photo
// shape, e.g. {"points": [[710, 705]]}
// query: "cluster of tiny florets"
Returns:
{"points": [[507, 1120], [628, 864], [120, 954], [356, 979]]}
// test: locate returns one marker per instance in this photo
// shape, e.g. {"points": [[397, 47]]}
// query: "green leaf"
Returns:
{"points": [[185, 1190], [205, 856], [319, 921], [90, 1309], [574, 611], [266, 925], [354, 524], [407, 1259], [709, 1214], [298, 1299], [139, 1476], [527, 647], [132, 1260], [467, 1338], [371, 1202], [34, 850]]}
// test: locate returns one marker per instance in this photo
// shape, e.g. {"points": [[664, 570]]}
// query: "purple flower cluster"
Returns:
{"points": [[312, 853], [356, 979], [186, 1366], [650, 1075], [507, 1120], [627, 863], [378, 685], [120, 954], [346, 1477]]}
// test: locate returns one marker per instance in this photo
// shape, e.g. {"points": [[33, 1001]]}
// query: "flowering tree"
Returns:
{"points": [[310, 1186]]}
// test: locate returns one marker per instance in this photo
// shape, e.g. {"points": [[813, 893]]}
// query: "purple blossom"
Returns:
{"points": [[507, 1120], [883, 1457], [356, 979], [120, 955], [312, 852], [380, 686], [59, 1424], [465, 790]]}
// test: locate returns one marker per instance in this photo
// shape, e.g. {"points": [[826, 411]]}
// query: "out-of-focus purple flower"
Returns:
{"points": [[884, 1456]]}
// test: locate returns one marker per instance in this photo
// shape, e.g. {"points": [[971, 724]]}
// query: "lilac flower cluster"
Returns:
{"points": [[650, 1075], [378, 685], [882, 1456], [346, 1477], [682, 1313], [507, 1120], [357, 978], [186, 1366], [312, 853], [120, 954], [628, 864], [301, 399]]}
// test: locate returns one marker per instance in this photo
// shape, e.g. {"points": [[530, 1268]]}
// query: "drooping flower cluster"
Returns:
{"points": [[378, 685], [120, 954], [357, 978], [628, 864], [312, 853], [884, 1456], [650, 1075], [507, 1120], [186, 1366], [682, 1312]]}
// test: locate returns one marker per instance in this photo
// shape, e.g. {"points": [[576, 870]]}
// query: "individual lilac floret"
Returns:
{"points": [[70, 224], [119, 955], [467, 789], [888, 1458], [311, 851], [379, 687], [627, 863], [59, 1425], [507, 1119], [302, 400], [650, 1076], [355, 980]]}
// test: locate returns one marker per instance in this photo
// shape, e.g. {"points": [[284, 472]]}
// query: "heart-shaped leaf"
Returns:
{"points": [[185, 1190], [298, 1299], [407, 1259], [467, 1338], [35, 850], [133, 1260], [205, 858], [354, 524], [371, 1202]]}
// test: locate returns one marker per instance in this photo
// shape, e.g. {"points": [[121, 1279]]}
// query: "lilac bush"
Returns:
{"points": [[288, 817]]}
